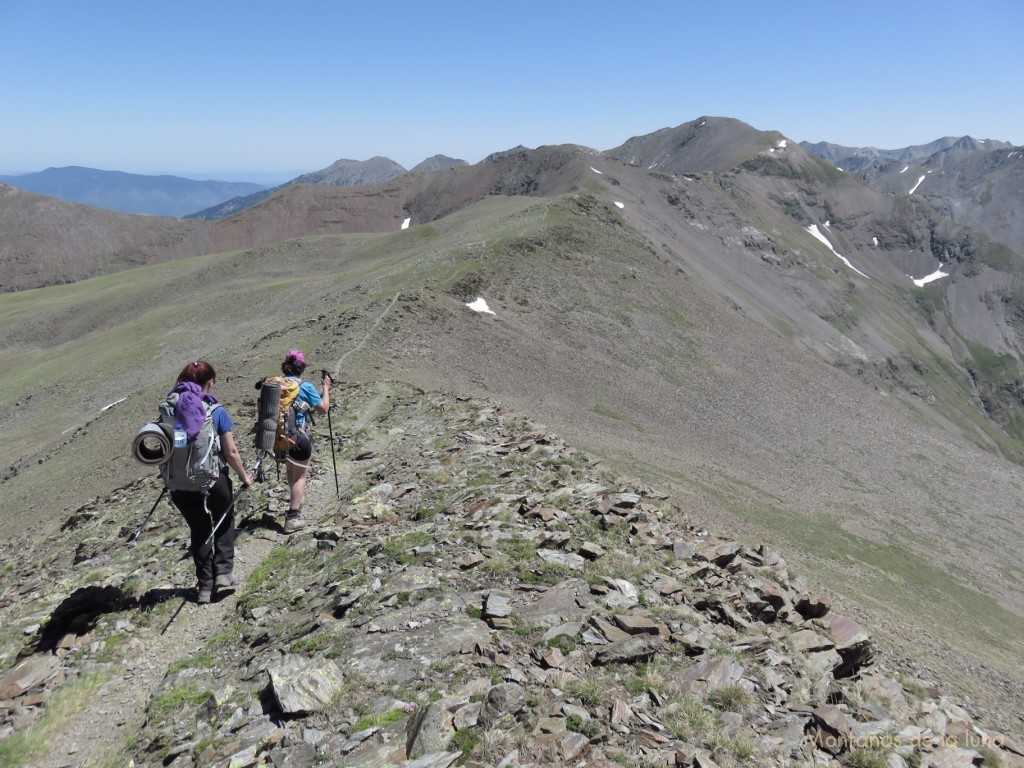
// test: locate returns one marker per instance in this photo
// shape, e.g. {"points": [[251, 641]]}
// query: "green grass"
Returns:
{"points": [[179, 697], [381, 720], [590, 690], [202, 660], [400, 548], [689, 720], [866, 758], [589, 728], [33, 742], [895, 579], [731, 698]]}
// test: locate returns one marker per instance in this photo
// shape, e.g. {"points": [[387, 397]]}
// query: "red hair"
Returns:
{"points": [[199, 372]]}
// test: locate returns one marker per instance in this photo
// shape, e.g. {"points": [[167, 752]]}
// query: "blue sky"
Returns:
{"points": [[265, 90]]}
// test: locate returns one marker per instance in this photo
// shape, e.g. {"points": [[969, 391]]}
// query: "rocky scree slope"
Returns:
{"points": [[481, 594]]}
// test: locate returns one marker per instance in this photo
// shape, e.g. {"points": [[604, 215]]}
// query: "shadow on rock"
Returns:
{"points": [[79, 612], [266, 522], [155, 597]]}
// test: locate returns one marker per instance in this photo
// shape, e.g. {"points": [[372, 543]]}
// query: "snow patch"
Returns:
{"points": [[905, 169], [813, 229], [595, 170], [914, 189], [874, 241], [111, 405], [405, 224], [620, 205], [782, 144], [480, 306], [936, 275]]}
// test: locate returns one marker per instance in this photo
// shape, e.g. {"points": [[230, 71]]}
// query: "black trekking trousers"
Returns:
{"points": [[217, 557]]}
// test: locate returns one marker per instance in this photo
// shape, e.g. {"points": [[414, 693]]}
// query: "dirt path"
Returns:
{"points": [[95, 736]]}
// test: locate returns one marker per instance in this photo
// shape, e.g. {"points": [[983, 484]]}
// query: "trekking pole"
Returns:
{"points": [[168, 624], [334, 461], [158, 498], [230, 506]]}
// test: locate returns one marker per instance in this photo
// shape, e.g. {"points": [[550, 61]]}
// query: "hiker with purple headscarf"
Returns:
{"points": [[194, 384]]}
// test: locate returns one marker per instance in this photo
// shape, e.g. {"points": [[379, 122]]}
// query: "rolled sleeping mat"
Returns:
{"points": [[153, 444], [270, 405]]}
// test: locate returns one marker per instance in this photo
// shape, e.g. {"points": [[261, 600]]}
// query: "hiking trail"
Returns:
{"points": [[96, 735]]}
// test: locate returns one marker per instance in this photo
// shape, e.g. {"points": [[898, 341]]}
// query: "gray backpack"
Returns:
{"points": [[196, 464]]}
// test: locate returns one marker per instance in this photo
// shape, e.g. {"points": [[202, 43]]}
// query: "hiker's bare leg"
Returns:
{"points": [[296, 484]]}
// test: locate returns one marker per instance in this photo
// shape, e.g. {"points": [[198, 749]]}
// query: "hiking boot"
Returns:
{"points": [[204, 596], [226, 581], [293, 521]]}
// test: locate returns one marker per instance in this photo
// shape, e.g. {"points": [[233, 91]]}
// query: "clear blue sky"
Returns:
{"points": [[232, 88]]}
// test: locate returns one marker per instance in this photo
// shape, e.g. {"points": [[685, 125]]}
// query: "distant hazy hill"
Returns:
{"points": [[438, 163], [130, 192], [341, 173]]}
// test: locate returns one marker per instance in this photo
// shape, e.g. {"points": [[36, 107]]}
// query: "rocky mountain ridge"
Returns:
{"points": [[855, 159], [481, 594], [755, 342]]}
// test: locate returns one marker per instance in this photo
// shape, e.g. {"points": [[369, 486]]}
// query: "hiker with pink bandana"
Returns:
{"points": [[298, 457]]}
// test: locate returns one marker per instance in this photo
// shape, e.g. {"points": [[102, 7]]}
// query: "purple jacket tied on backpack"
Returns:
{"points": [[190, 410]]}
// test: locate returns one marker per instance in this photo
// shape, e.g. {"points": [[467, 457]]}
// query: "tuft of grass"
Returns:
{"points": [[730, 698], [689, 720], [565, 643], [399, 548], [465, 740], [188, 695], [203, 660], [590, 690], [589, 728], [380, 720], [866, 758]]}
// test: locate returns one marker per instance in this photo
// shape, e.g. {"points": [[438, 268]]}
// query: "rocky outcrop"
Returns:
{"points": [[482, 593]]}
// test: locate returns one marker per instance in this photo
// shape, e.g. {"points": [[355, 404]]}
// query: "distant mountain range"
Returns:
{"points": [[187, 198], [130, 192], [854, 159], [977, 183]]}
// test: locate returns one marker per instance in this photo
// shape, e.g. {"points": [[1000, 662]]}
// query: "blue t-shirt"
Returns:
{"points": [[221, 421], [307, 394]]}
